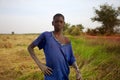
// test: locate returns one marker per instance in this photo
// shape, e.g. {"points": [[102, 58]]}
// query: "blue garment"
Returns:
{"points": [[58, 57]]}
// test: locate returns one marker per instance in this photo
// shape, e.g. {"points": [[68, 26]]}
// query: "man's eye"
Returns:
{"points": [[61, 21], [58, 21]]}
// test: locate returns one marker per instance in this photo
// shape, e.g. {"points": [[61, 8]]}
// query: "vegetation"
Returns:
{"points": [[98, 58], [108, 16], [74, 30]]}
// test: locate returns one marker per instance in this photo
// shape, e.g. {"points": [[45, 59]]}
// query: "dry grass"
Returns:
{"points": [[15, 60], [97, 57]]}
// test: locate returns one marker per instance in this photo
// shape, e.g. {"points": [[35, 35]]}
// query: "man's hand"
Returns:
{"points": [[78, 75], [46, 70]]}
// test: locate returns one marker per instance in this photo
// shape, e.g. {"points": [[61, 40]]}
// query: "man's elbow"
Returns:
{"points": [[30, 47]]}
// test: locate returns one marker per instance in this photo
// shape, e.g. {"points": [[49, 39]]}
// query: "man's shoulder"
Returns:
{"points": [[46, 33], [67, 40]]}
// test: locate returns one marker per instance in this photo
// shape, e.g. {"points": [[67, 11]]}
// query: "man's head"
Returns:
{"points": [[58, 22]]}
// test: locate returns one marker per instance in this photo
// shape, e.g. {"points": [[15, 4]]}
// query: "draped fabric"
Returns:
{"points": [[58, 56]]}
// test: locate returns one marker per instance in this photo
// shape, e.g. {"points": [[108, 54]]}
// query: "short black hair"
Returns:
{"points": [[58, 15]]}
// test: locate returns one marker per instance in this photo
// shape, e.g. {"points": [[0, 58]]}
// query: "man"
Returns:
{"points": [[58, 52]]}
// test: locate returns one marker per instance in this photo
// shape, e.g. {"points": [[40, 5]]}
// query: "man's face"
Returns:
{"points": [[58, 23]]}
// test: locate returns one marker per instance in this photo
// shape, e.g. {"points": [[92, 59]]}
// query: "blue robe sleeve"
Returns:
{"points": [[40, 41], [72, 58]]}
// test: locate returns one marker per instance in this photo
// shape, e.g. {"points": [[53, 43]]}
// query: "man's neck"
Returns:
{"points": [[58, 33]]}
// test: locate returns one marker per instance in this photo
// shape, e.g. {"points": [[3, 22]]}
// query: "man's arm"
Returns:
{"points": [[74, 65], [44, 69]]}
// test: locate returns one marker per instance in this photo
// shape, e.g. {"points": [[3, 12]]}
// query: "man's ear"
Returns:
{"points": [[52, 23]]}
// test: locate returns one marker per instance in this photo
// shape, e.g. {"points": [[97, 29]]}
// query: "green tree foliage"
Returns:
{"points": [[80, 26], [69, 30], [109, 17], [66, 26], [75, 30], [92, 31]]}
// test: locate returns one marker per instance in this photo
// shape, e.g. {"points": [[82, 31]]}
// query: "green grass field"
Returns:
{"points": [[98, 58]]}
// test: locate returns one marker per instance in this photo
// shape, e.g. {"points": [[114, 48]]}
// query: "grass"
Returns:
{"points": [[98, 58]]}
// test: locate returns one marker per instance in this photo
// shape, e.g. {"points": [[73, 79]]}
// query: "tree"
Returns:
{"points": [[109, 17], [66, 26], [80, 26], [92, 32], [75, 29], [70, 29], [12, 33]]}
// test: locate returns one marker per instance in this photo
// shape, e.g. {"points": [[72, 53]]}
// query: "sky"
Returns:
{"points": [[35, 16]]}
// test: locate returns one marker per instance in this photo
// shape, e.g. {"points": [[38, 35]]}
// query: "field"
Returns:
{"points": [[98, 57]]}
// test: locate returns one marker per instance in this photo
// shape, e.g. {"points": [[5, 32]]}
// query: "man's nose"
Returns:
{"points": [[59, 23]]}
